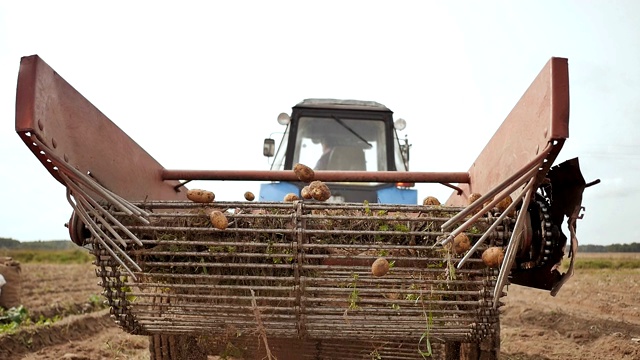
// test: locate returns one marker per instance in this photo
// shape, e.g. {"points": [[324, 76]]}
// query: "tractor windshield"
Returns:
{"points": [[341, 144]]}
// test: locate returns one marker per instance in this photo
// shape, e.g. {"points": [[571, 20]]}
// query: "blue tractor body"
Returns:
{"points": [[341, 135]]}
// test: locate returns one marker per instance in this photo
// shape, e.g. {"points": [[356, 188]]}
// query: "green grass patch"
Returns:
{"points": [[72, 256]]}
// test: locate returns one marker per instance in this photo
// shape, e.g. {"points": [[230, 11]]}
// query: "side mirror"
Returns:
{"points": [[404, 149], [284, 119], [269, 147]]}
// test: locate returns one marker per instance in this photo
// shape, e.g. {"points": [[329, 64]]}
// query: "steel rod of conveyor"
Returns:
{"points": [[512, 247], [99, 234], [529, 176], [327, 176], [145, 307], [93, 204], [520, 174], [204, 318], [286, 326]]}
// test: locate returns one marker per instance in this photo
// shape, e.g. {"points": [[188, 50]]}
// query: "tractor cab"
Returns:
{"points": [[341, 135]]}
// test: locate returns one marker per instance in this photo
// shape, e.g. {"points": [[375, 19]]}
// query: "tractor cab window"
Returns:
{"points": [[341, 144]]}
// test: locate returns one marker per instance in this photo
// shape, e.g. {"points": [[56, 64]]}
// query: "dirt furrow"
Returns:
{"points": [[34, 338]]}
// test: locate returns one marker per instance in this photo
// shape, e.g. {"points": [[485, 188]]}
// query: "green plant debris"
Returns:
{"points": [[475, 230], [411, 296], [367, 209], [204, 268], [97, 301], [375, 355], [231, 351], [13, 318], [354, 296], [424, 344], [127, 290], [167, 237], [42, 320]]}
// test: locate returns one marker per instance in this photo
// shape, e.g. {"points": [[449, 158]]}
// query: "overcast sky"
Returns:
{"points": [[199, 85]]}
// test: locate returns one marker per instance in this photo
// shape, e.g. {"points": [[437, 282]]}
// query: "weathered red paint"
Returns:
{"points": [[541, 116], [71, 128]]}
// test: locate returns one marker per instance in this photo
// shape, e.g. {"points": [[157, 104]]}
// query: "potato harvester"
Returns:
{"points": [[293, 280]]}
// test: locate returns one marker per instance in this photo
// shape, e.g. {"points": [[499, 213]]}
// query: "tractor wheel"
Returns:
{"points": [[175, 347]]}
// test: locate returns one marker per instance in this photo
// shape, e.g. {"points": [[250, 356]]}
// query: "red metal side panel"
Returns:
{"points": [[540, 116], [71, 128]]}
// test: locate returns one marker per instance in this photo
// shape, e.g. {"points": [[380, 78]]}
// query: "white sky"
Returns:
{"points": [[199, 85]]}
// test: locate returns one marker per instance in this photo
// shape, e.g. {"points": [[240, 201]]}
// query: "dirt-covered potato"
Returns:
{"points": [[218, 220], [304, 173], [461, 244], [319, 191], [504, 204], [474, 197], [493, 257], [430, 200], [249, 196], [306, 193], [380, 267], [200, 196], [291, 197]]}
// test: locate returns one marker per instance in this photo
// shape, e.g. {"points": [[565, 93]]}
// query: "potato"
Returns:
{"points": [[218, 220], [249, 196], [306, 193], [291, 197], [319, 191], [200, 196], [461, 244], [304, 173], [504, 204], [380, 267], [493, 257], [430, 200], [474, 197]]}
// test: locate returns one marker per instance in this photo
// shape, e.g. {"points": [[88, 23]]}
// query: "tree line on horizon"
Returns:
{"points": [[8, 243], [613, 248]]}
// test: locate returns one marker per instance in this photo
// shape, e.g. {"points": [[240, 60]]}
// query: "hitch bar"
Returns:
{"points": [[327, 176]]}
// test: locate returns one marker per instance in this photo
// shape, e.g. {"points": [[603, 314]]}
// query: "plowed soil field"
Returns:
{"points": [[595, 316]]}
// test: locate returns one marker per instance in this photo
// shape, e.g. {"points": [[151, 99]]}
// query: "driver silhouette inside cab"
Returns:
{"points": [[327, 147], [339, 157]]}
